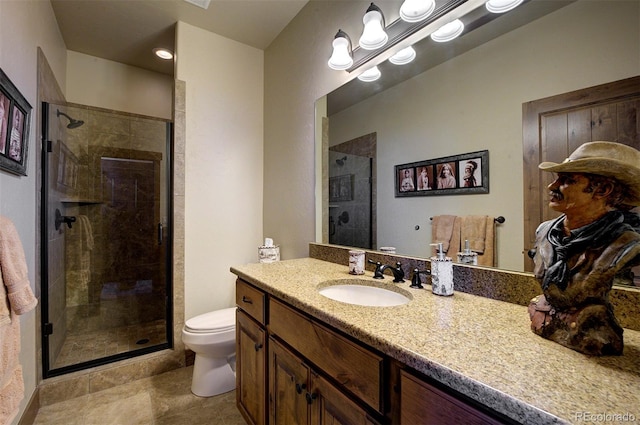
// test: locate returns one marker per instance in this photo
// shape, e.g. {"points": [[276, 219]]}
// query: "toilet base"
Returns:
{"points": [[212, 376]]}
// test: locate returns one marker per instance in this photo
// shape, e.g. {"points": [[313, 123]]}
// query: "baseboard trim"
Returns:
{"points": [[31, 411]]}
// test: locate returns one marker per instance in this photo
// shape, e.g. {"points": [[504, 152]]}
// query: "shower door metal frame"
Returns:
{"points": [[46, 327]]}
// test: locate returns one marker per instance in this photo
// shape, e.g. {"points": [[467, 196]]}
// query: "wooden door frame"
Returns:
{"points": [[531, 132]]}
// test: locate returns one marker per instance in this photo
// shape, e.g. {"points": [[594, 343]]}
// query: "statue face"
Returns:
{"points": [[567, 194]]}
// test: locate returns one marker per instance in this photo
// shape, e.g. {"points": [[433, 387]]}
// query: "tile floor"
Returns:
{"points": [[85, 346], [164, 399]]}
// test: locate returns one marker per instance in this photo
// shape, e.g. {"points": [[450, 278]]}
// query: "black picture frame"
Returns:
{"points": [[450, 175], [15, 119]]}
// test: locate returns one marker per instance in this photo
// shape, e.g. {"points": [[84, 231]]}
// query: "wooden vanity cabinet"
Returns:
{"points": [[355, 368], [423, 403], [251, 354], [301, 396], [294, 370]]}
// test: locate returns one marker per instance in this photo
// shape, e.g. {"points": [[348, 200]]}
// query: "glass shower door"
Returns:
{"points": [[106, 209], [350, 200]]}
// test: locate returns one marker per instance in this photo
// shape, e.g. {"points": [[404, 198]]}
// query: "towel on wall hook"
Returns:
{"points": [[16, 298]]}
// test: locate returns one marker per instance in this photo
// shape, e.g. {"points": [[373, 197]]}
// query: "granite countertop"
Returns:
{"points": [[480, 347]]}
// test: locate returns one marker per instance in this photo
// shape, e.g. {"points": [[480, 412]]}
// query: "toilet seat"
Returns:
{"points": [[213, 322]]}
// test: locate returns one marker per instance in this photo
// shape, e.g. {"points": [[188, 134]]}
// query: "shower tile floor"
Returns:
{"points": [[78, 348], [164, 399]]}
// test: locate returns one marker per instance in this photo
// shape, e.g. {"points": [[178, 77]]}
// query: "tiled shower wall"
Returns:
{"points": [[90, 254]]}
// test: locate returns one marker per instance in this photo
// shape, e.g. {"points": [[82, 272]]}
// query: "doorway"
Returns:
{"points": [[106, 248], [555, 126]]}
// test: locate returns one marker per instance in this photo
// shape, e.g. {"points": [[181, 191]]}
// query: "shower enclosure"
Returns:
{"points": [[106, 250], [351, 200]]}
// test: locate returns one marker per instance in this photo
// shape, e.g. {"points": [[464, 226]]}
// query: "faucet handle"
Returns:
{"points": [[398, 273], [378, 272], [415, 278]]}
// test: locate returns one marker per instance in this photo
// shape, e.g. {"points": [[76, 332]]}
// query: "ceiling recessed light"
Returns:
{"points": [[163, 53]]}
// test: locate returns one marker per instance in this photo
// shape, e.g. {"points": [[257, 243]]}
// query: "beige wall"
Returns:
{"points": [[296, 75], [25, 25], [106, 84], [474, 102], [223, 163]]}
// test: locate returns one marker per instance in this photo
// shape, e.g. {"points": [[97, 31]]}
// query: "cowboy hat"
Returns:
{"points": [[608, 159]]}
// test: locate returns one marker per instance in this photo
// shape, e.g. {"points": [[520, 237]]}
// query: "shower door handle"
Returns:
{"points": [[160, 236]]}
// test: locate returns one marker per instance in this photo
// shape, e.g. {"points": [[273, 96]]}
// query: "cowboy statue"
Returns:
{"points": [[593, 244]]}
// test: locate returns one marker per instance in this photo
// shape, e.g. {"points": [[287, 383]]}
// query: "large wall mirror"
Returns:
{"points": [[466, 97]]}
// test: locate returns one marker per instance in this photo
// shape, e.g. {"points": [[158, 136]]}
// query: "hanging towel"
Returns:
{"points": [[446, 229], [479, 230], [474, 230], [16, 298]]}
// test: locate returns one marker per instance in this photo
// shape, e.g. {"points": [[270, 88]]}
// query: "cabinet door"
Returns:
{"points": [[329, 406], [288, 387], [250, 369], [424, 404]]}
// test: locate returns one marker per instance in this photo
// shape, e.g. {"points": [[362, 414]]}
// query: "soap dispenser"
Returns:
{"points": [[467, 256], [441, 272]]}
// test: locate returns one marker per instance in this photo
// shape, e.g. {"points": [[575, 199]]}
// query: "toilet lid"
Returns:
{"points": [[214, 321]]}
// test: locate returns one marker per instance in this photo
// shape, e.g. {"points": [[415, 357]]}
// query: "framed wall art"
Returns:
{"points": [[452, 175], [15, 114]]}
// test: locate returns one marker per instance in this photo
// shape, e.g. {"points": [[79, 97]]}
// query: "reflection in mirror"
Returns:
{"points": [[352, 192], [469, 97]]}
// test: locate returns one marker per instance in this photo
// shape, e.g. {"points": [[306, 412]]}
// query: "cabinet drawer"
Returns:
{"points": [[425, 404], [251, 300], [353, 367]]}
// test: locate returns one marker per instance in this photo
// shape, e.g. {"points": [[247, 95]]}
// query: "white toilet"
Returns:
{"points": [[212, 336]]}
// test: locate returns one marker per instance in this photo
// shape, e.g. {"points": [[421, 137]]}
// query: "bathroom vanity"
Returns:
{"points": [[305, 358]]}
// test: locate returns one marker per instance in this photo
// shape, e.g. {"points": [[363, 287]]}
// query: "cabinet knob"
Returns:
{"points": [[310, 397], [300, 387], [246, 300], [257, 346]]}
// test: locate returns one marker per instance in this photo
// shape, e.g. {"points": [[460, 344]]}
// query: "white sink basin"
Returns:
{"points": [[359, 292]]}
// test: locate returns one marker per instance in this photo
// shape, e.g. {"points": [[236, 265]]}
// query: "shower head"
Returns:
{"points": [[341, 161], [73, 123]]}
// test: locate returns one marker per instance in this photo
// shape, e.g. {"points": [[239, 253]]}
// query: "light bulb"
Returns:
{"points": [[373, 36], [404, 56], [501, 6], [370, 74], [416, 10], [341, 57], [448, 31]]}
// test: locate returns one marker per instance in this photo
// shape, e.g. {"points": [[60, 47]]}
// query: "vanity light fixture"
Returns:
{"points": [[404, 56], [373, 36], [370, 75], [163, 53], [501, 6], [448, 31], [341, 58], [416, 10], [441, 20]]}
